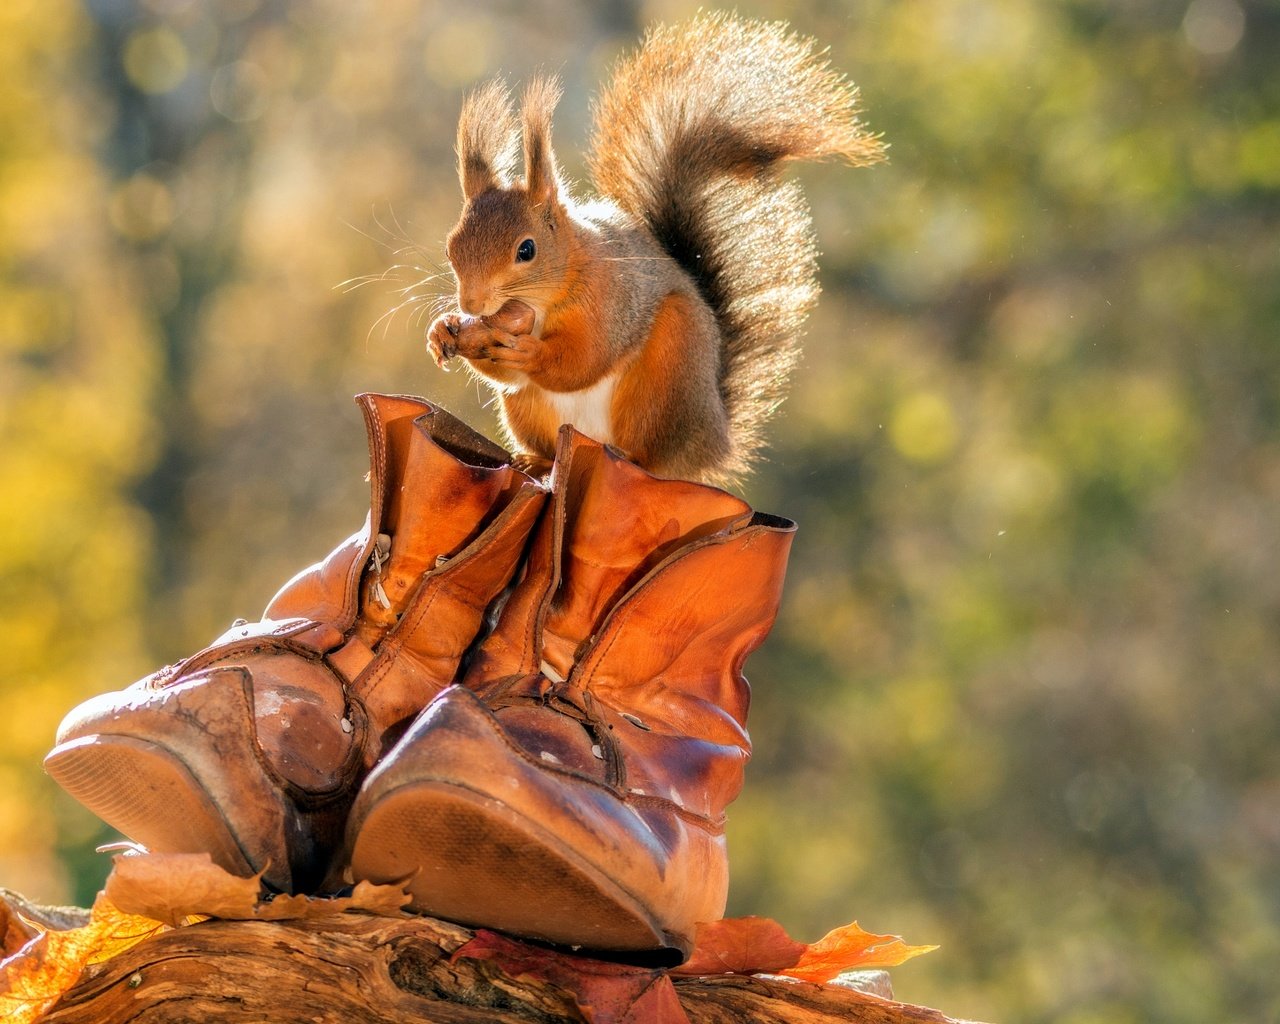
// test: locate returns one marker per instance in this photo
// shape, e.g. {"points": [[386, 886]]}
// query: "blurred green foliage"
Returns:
{"points": [[1024, 696]]}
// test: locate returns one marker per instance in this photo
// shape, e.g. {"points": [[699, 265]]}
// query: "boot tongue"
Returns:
{"points": [[619, 522], [442, 490]]}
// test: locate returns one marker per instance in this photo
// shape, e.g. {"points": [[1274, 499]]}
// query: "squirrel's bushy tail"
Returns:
{"points": [[688, 137]]}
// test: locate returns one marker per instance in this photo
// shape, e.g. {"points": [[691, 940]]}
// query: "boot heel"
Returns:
{"points": [[145, 791], [474, 860]]}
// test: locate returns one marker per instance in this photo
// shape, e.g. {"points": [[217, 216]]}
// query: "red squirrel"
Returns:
{"points": [[664, 317]]}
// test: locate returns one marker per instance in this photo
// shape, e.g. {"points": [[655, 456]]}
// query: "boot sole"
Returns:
{"points": [[146, 792], [473, 860]]}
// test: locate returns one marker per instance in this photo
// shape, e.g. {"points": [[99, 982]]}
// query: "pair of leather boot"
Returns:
{"points": [[529, 705]]}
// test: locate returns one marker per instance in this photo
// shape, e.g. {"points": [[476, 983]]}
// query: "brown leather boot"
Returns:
{"points": [[573, 787], [252, 749]]}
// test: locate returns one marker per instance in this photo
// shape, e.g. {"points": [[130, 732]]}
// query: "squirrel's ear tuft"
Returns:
{"points": [[487, 139], [540, 174]]}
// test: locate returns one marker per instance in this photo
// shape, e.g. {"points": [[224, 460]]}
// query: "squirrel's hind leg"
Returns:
{"points": [[531, 424], [533, 464], [667, 414]]}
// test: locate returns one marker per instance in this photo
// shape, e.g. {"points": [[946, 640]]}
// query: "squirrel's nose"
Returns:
{"points": [[475, 303]]}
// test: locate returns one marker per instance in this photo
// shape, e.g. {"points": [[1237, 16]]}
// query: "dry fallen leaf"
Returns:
{"points": [[759, 945], [48, 965], [741, 945], [14, 931], [384, 900], [44, 917], [173, 887], [144, 894], [848, 949]]}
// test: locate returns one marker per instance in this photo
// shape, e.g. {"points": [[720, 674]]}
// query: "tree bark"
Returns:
{"points": [[355, 967]]}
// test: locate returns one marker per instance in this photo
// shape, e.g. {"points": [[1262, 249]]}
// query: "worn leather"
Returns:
{"points": [[608, 707], [348, 649]]}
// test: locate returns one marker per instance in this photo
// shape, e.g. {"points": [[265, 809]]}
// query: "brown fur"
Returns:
{"points": [[691, 285], [670, 404], [486, 139]]}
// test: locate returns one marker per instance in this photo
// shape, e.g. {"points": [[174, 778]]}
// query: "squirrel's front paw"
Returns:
{"points": [[442, 338], [473, 338], [481, 338], [521, 352]]}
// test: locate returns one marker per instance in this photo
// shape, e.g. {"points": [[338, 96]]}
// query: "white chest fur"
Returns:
{"points": [[588, 409]]}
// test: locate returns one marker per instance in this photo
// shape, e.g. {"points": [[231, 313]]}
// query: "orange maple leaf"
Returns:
{"points": [[741, 945], [851, 949], [34, 977], [759, 945]]}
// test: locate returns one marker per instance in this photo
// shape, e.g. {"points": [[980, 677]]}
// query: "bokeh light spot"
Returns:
{"points": [[923, 427], [1214, 26], [141, 209], [156, 60], [238, 91]]}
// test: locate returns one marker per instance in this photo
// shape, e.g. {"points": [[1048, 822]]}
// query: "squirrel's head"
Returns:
{"points": [[509, 241]]}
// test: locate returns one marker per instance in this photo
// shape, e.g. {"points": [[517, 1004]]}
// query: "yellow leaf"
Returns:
{"points": [[34, 977]]}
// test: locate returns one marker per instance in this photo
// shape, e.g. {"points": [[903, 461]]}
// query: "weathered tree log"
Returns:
{"points": [[355, 967]]}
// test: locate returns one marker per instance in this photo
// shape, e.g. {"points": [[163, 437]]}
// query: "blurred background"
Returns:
{"points": [[1023, 699]]}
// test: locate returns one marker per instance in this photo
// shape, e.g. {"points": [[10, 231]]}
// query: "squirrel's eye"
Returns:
{"points": [[525, 251]]}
